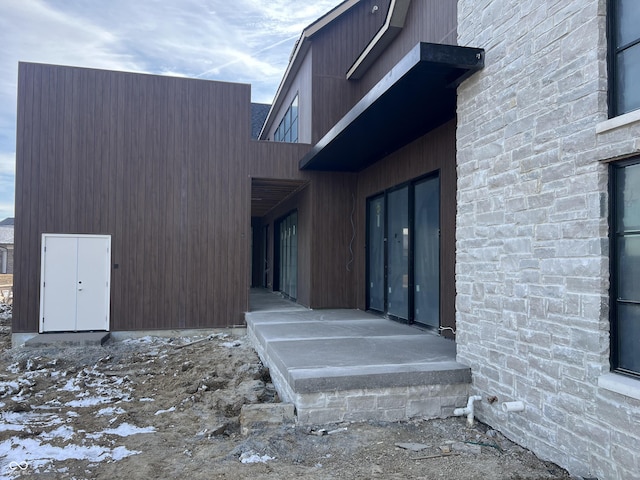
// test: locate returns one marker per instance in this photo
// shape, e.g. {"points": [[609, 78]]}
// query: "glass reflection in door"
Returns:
{"points": [[375, 253], [398, 253], [426, 267]]}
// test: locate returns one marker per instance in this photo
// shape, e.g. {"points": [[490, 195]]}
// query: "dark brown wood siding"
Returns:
{"points": [[164, 165], [432, 152], [158, 163], [333, 266]]}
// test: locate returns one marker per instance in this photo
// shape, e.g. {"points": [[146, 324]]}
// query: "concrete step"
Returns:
{"points": [[339, 365], [70, 339]]}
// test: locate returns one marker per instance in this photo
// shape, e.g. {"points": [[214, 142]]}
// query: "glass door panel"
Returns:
{"points": [[426, 254], [398, 253], [375, 254]]}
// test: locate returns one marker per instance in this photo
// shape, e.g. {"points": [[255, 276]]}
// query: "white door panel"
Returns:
{"points": [[74, 294], [59, 277], [92, 287]]}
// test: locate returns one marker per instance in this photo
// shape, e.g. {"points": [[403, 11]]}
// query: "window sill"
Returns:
{"points": [[627, 386], [620, 121]]}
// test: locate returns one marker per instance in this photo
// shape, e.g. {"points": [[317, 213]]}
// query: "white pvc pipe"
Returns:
{"points": [[468, 410], [513, 406]]}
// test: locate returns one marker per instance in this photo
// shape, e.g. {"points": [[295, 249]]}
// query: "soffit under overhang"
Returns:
{"points": [[268, 193]]}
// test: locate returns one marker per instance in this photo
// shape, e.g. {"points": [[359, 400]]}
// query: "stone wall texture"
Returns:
{"points": [[532, 266]]}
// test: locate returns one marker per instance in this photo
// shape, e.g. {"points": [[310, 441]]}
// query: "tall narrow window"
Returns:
{"points": [[287, 131], [624, 56], [625, 267]]}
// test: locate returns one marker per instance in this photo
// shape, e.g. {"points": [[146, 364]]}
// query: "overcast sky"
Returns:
{"points": [[247, 41]]}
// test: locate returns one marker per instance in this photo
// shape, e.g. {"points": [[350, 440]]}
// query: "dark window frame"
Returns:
{"points": [[614, 235], [286, 131], [613, 52], [410, 185]]}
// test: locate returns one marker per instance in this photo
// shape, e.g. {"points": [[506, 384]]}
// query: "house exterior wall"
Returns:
{"points": [[6, 250], [325, 207], [532, 260], [333, 279], [163, 166]]}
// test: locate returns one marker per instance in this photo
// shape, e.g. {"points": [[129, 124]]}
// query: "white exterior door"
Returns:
{"points": [[75, 283]]}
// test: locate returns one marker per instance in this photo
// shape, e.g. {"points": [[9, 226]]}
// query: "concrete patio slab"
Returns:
{"points": [[348, 364]]}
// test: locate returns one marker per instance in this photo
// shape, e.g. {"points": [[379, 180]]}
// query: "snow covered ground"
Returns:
{"points": [[41, 404]]}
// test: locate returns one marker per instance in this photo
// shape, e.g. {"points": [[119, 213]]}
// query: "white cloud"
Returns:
{"points": [[7, 163]]}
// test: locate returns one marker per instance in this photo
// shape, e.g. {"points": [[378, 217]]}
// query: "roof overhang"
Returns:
{"points": [[415, 97]]}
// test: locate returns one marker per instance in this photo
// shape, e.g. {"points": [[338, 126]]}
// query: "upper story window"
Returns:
{"points": [[624, 56], [625, 267], [287, 131]]}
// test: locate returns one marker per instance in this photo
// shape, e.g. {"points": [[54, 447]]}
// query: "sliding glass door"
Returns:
{"points": [[403, 252]]}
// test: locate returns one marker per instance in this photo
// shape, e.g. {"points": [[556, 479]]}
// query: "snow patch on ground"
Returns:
{"points": [[110, 411], [252, 457], [38, 455], [126, 430], [159, 412]]}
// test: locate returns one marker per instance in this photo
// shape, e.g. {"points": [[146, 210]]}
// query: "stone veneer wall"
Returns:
{"points": [[532, 272]]}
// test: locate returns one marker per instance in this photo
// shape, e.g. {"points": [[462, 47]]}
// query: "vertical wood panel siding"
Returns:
{"points": [[324, 225], [333, 276], [434, 151], [159, 163]]}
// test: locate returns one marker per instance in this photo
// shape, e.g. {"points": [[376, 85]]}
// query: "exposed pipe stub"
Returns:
{"points": [[468, 410], [513, 406]]}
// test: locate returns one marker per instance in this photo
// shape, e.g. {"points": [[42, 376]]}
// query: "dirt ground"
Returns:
{"points": [[168, 408]]}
